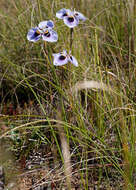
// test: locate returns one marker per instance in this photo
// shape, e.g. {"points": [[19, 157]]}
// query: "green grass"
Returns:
{"points": [[99, 123]]}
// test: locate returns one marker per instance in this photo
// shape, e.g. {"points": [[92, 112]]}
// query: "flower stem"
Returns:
{"points": [[70, 49], [71, 37]]}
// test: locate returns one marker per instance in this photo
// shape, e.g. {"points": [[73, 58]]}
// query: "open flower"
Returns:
{"points": [[63, 58], [44, 31], [46, 24], [70, 18]]}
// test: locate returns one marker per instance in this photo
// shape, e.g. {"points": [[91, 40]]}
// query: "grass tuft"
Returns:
{"points": [[96, 99]]}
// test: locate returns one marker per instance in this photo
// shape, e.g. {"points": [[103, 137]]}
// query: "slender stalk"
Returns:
{"points": [[63, 139], [71, 38], [70, 49], [65, 148], [62, 135], [132, 23], [45, 52]]}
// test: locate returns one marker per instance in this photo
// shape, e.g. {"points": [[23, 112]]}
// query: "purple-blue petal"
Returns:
{"points": [[33, 35], [62, 13], [50, 24], [80, 16], [50, 36]]}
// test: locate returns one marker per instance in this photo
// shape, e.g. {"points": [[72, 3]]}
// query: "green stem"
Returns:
{"points": [[71, 37]]}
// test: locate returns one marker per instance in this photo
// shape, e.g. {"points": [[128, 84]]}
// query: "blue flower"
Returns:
{"points": [[46, 24], [34, 34], [70, 18], [62, 13], [44, 31], [63, 58]]}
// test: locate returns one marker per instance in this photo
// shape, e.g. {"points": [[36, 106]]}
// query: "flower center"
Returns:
{"points": [[37, 33], [71, 19], [62, 57], [65, 14], [46, 33]]}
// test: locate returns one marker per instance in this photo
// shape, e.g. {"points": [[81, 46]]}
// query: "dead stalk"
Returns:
{"points": [[65, 151]]}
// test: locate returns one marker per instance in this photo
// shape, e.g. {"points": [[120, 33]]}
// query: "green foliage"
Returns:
{"points": [[99, 124]]}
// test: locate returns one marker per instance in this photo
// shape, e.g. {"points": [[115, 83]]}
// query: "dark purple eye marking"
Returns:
{"points": [[37, 33], [71, 58], [76, 14], [65, 14], [62, 57], [47, 34], [71, 19]]}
